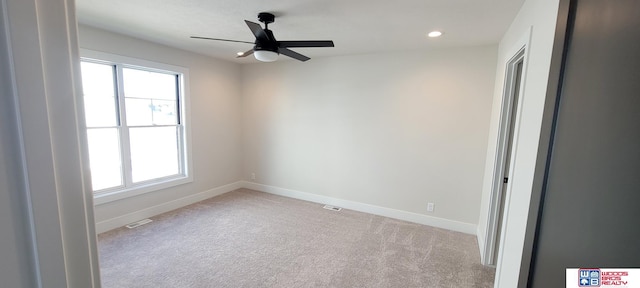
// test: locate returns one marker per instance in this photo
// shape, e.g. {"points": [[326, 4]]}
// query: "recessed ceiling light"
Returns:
{"points": [[434, 34], [240, 53]]}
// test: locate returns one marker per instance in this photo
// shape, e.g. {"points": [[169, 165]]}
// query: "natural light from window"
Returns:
{"points": [[102, 125], [134, 129]]}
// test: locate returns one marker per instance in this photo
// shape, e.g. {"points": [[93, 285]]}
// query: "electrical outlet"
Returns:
{"points": [[253, 176], [430, 207]]}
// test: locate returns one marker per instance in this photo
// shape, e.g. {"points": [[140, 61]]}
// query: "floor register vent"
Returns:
{"points": [[139, 223], [333, 208]]}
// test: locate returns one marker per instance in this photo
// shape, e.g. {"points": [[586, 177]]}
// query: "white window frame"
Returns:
{"points": [[113, 194]]}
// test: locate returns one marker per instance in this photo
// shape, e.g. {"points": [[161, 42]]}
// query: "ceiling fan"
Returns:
{"points": [[266, 48]]}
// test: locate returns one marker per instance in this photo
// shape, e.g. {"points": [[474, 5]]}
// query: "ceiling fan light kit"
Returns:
{"points": [[266, 48], [266, 55]]}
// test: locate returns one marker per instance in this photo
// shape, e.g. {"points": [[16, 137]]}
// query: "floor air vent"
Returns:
{"points": [[334, 208], [139, 223]]}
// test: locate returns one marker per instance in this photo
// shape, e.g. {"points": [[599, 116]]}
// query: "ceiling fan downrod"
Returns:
{"points": [[266, 18]]}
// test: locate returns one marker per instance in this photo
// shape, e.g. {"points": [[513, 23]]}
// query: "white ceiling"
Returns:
{"points": [[355, 26]]}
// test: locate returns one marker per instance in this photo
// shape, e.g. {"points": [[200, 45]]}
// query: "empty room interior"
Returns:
{"points": [[371, 155], [389, 122]]}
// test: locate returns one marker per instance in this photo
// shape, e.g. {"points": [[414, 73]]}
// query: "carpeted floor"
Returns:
{"points": [[253, 239]]}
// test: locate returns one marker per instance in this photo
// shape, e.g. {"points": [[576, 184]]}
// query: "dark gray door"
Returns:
{"points": [[590, 213]]}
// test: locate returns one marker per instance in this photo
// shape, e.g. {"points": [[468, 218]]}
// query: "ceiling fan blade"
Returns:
{"points": [[217, 39], [245, 54], [257, 30], [293, 54], [312, 43]]}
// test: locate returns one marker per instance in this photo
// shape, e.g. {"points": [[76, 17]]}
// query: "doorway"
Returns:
{"points": [[501, 184]]}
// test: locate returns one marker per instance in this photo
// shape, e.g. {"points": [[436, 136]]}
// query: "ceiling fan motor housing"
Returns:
{"points": [[266, 17]]}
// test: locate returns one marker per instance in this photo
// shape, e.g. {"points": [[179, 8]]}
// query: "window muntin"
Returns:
{"points": [[135, 132]]}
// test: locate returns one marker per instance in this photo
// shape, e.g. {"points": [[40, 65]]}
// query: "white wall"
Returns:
{"points": [[394, 130], [215, 122], [539, 17]]}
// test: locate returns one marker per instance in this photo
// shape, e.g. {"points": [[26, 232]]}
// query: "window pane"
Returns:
{"points": [[139, 112], [164, 112], [147, 112], [97, 80], [154, 152], [150, 85], [104, 157], [100, 112], [99, 94]]}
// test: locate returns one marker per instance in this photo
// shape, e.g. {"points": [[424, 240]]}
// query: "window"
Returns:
{"points": [[136, 128]]}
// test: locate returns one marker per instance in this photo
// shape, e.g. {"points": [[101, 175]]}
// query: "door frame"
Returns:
{"points": [[41, 42], [518, 53]]}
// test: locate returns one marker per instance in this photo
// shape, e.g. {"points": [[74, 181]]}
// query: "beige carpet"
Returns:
{"points": [[253, 239]]}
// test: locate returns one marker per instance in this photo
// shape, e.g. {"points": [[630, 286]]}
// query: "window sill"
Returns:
{"points": [[111, 196]]}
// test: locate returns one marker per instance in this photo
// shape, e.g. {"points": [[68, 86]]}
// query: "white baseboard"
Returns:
{"points": [[481, 244], [367, 208], [120, 221], [453, 225]]}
